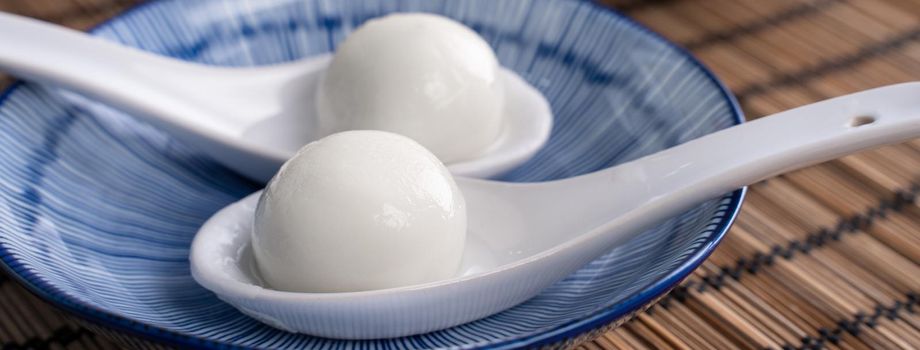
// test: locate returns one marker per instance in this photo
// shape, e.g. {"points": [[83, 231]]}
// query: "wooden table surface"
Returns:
{"points": [[826, 257]]}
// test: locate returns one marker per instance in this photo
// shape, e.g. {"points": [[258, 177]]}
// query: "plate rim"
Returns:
{"points": [[569, 330]]}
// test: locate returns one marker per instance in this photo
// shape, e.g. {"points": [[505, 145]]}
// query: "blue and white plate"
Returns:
{"points": [[97, 210]]}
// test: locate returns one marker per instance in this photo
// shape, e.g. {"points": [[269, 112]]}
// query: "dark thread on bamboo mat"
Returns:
{"points": [[830, 66], [757, 261], [637, 5], [62, 336], [860, 320], [798, 11], [855, 324]]}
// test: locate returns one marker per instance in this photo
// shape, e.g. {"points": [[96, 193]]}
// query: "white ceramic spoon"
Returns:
{"points": [[249, 119], [525, 236]]}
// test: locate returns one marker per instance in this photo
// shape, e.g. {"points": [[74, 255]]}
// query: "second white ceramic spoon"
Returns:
{"points": [[523, 237], [249, 119]]}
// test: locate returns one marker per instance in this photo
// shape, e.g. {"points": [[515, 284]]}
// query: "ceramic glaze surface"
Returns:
{"points": [[359, 210], [98, 210], [423, 76]]}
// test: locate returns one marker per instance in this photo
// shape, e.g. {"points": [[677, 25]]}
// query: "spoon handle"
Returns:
{"points": [[614, 205], [645, 191], [49, 53], [754, 151], [128, 78]]}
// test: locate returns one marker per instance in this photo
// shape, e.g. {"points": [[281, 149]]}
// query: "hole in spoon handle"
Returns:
{"points": [[861, 120]]}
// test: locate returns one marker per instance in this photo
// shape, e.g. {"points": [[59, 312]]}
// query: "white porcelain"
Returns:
{"points": [[359, 210], [524, 236], [249, 119], [421, 75]]}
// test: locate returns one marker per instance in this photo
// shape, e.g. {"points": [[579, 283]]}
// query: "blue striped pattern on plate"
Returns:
{"points": [[97, 210]]}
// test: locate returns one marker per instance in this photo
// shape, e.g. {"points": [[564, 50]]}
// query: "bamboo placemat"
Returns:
{"points": [[826, 257]]}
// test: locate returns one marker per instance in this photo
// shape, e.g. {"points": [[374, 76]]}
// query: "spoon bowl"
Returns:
{"points": [[525, 236], [250, 119]]}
